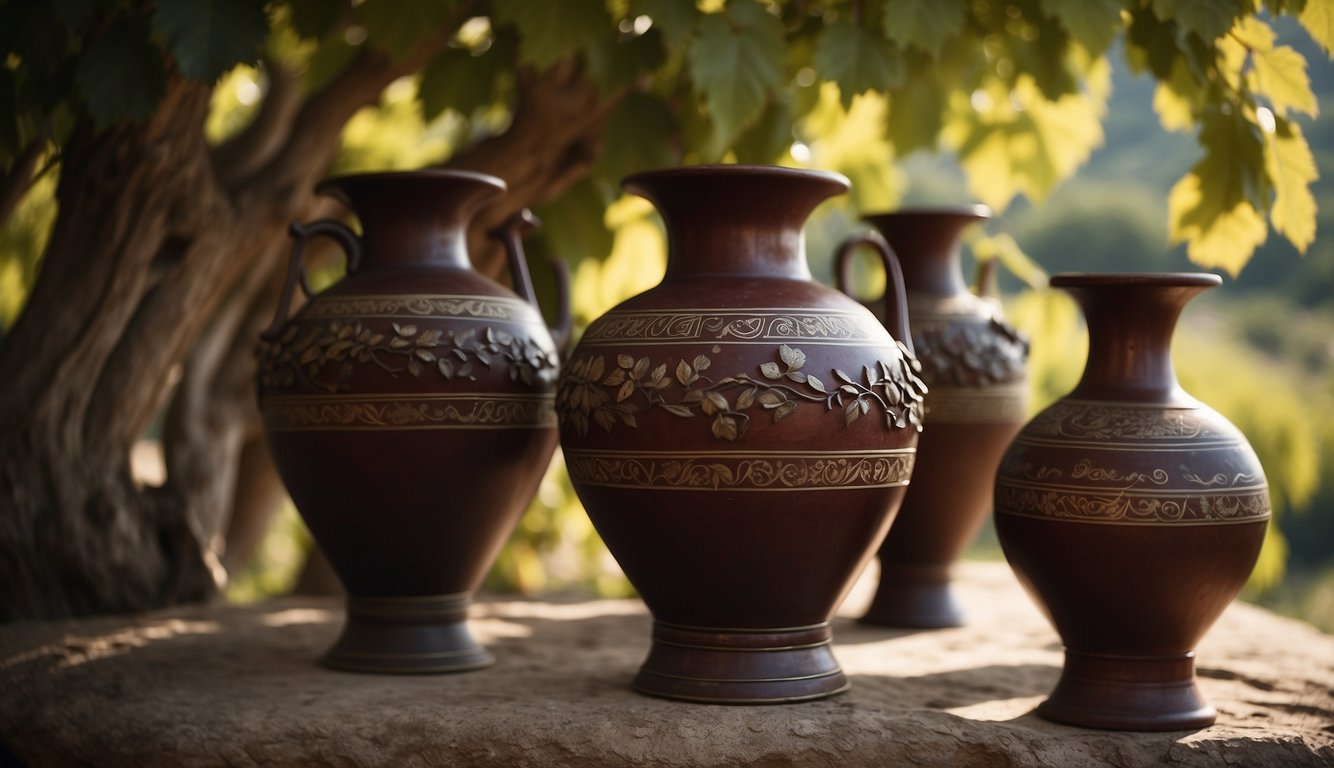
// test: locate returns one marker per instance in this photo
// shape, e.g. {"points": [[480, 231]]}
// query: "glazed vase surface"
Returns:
{"points": [[973, 363], [741, 437], [1132, 513], [409, 408]]}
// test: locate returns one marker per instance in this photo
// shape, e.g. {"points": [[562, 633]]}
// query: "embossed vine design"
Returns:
{"points": [[325, 356], [591, 393], [971, 355]]}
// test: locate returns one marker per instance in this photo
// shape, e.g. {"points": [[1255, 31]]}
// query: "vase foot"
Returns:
{"points": [[741, 666], [1128, 693], [415, 635], [914, 597]]}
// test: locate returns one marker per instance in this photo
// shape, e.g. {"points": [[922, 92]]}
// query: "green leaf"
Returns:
{"points": [[924, 24], [462, 81], [676, 18], [768, 139], [1094, 23], [1210, 19], [1280, 75], [1225, 239], [616, 65], [1291, 168], [550, 31], [1215, 208], [393, 26], [120, 74], [573, 225], [1318, 18], [1175, 100], [735, 63], [209, 37], [638, 137], [312, 19], [916, 112], [857, 60]]}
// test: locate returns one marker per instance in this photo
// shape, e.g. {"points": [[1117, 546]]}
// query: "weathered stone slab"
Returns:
{"points": [[239, 686]]}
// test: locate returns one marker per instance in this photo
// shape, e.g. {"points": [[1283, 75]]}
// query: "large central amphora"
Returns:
{"points": [[409, 408], [741, 437]]}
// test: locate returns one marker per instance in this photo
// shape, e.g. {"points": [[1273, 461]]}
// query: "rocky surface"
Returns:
{"points": [[238, 686]]}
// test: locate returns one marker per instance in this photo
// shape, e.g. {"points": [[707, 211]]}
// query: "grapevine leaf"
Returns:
{"points": [[769, 138], [1094, 23], [615, 65], [1280, 74], [915, 113], [574, 224], [1174, 100], [394, 27], [312, 19], [735, 63], [209, 37], [462, 81], [857, 59], [550, 31], [923, 24], [676, 19], [1210, 20], [638, 136], [120, 72], [1291, 168], [1318, 18]]}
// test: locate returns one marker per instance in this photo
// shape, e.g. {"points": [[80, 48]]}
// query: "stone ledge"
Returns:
{"points": [[239, 686]]}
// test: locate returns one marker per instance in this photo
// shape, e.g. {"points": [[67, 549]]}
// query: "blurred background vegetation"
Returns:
{"points": [[1260, 349]]}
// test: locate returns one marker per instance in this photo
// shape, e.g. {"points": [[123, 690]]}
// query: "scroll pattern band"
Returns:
{"points": [[409, 412], [423, 306], [723, 326], [977, 405], [761, 471]]}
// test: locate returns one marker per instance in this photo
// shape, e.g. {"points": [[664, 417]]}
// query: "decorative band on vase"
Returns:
{"points": [[1132, 507], [385, 413], [727, 326], [977, 405], [424, 306], [758, 471], [451, 606], [1129, 426]]}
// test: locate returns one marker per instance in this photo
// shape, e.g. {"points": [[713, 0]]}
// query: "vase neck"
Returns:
{"points": [[1131, 320], [415, 219], [736, 220], [928, 246]]}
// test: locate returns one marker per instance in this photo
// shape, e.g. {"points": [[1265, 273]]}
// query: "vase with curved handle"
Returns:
{"points": [[1131, 512], [409, 409], [974, 364], [741, 437]]}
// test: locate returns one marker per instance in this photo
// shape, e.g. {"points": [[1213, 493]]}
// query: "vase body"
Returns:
{"points": [[973, 364], [1132, 513], [409, 410], [741, 437]]}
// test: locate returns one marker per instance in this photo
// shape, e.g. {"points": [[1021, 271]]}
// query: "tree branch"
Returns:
{"points": [[258, 142]]}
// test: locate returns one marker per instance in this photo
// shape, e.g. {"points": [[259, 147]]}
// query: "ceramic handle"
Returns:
{"points": [[296, 270], [896, 303], [510, 234]]}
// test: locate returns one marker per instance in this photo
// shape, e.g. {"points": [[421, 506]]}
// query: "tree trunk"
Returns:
{"points": [[158, 276]]}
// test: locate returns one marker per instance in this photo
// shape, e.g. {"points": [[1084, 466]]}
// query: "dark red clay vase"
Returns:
{"points": [[410, 412], [973, 363], [741, 437], [1132, 513]]}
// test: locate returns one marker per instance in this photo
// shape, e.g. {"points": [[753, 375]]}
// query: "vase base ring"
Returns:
{"points": [[741, 666], [416, 635], [1128, 693], [914, 597]]}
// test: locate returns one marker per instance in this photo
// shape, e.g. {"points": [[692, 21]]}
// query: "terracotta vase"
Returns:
{"points": [[409, 409], [1132, 513], [973, 364], [741, 437]]}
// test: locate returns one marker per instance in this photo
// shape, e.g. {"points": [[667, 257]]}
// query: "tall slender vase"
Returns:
{"points": [[973, 364], [1131, 512], [741, 437], [409, 409]]}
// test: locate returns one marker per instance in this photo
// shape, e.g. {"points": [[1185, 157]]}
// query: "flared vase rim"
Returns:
{"points": [[974, 211], [333, 182], [735, 170], [1135, 279]]}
